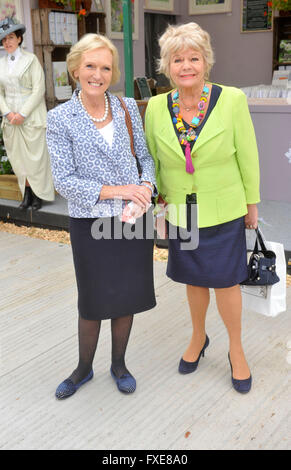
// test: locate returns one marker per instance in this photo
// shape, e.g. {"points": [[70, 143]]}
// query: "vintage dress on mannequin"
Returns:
{"points": [[22, 89]]}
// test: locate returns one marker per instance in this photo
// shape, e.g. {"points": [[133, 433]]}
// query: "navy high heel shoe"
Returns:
{"points": [[241, 386], [186, 367], [126, 383], [68, 388]]}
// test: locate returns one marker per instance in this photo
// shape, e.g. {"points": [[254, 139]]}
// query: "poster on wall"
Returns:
{"points": [[99, 6], [164, 5], [204, 7], [114, 19], [12, 8], [256, 16]]}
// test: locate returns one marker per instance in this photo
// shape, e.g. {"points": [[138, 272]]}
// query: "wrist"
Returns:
{"points": [[148, 185]]}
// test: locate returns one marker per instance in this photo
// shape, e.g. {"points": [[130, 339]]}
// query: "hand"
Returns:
{"points": [[160, 218], [251, 218], [17, 119], [10, 116], [140, 195], [131, 212]]}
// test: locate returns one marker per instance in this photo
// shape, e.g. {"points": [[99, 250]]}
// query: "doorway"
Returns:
{"points": [[154, 27]]}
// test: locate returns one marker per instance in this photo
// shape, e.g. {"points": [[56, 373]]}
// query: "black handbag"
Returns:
{"points": [[262, 265]]}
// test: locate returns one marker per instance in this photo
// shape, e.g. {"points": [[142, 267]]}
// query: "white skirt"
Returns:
{"points": [[27, 152]]}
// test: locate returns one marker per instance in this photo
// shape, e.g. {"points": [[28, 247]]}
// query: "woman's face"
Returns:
{"points": [[95, 72], [187, 68], [11, 42]]}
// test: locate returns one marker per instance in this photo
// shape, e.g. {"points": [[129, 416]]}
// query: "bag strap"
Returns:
{"points": [[261, 241], [130, 132]]}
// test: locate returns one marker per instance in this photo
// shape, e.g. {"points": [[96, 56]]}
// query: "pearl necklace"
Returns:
{"points": [[106, 109]]}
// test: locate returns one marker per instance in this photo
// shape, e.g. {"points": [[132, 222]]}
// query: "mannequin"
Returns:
{"points": [[22, 104]]}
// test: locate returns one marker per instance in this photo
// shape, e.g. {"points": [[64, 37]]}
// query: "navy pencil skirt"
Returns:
{"points": [[114, 276], [219, 261]]}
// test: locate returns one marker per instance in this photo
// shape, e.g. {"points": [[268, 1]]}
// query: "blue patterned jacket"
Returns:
{"points": [[82, 161]]}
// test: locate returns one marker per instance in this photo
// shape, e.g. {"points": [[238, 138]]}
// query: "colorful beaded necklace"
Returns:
{"points": [[190, 135]]}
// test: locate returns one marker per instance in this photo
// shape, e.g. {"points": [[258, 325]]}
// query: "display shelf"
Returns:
{"points": [[281, 30], [270, 102], [47, 51]]}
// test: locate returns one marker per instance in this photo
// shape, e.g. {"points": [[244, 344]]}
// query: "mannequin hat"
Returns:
{"points": [[10, 25]]}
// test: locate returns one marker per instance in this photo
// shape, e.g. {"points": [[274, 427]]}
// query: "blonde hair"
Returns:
{"points": [[181, 37], [89, 42]]}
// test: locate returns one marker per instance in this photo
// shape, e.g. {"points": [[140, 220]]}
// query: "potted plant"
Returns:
{"points": [[52, 4], [9, 188], [283, 6], [5, 166], [75, 5]]}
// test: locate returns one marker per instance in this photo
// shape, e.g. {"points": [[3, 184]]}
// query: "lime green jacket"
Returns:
{"points": [[225, 158]]}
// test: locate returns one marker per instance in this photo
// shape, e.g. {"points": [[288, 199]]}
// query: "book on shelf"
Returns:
{"points": [[63, 90], [285, 51]]}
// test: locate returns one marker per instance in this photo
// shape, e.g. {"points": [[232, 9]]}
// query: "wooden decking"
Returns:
{"points": [[38, 331]]}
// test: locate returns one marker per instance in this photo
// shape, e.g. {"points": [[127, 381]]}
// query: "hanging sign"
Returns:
{"points": [[256, 15]]}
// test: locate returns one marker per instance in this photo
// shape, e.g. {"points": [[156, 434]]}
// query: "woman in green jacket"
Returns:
{"points": [[202, 140]]}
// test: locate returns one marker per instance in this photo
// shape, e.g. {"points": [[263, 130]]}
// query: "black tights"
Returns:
{"points": [[88, 339]]}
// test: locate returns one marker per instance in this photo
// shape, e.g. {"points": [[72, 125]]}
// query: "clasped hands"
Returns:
{"points": [[15, 119], [139, 198]]}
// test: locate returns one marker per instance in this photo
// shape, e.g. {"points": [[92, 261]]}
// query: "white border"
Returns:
{"points": [[117, 35], [158, 5], [211, 8]]}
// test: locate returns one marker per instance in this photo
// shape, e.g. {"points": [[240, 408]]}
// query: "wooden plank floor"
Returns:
{"points": [[38, 325]]}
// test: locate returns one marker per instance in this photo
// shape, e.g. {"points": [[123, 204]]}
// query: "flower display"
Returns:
{"points": [[7, 10], [82, 13], [280, 5]]}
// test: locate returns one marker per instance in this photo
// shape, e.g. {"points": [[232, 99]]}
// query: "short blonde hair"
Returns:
{"points": [[181, 37], [89, 42]]}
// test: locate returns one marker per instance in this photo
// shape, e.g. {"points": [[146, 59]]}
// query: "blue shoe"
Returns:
{"points": [[68, 388], [126, 383], [188, 367], [241, 386]]}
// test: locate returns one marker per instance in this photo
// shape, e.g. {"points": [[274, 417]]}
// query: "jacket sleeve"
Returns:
{"points": [[140, 145], [38, 88], [82, 192], [3, 105], [150, 139], [246, 149]]}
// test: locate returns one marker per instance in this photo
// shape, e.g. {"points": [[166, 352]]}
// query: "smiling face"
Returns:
{"points": [[11, 43], [187, 69], [95, 72]]}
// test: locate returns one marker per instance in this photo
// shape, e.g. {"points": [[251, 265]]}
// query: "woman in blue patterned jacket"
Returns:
{"points": [[94, 169]]}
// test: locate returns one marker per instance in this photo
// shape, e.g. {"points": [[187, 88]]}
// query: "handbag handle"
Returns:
{"points": [[130, 132], [261, 241]]}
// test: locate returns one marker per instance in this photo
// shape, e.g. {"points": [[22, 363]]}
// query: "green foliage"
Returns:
{"points": [[5, 166], [280, 5]]}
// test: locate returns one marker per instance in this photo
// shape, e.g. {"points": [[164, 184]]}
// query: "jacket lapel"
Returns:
{"points": [[211, 129], [88, 126], [119, 122], [23, 62], [167, 132]]}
